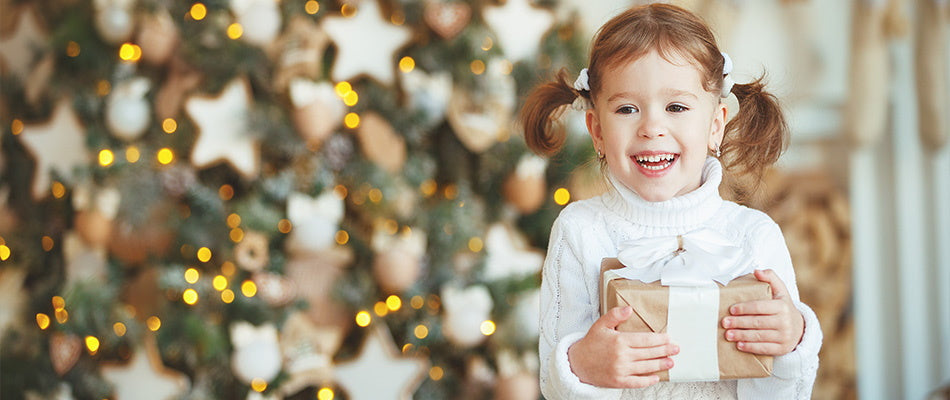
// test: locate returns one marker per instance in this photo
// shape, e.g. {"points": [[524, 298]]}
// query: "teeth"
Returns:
{"points": [[655, 158]]}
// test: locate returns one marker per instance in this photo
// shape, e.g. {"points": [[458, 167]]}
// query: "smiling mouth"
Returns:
{"points": [[655, 162]]}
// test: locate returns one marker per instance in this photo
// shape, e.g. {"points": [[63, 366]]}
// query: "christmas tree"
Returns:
{"points": [[276, 199]]}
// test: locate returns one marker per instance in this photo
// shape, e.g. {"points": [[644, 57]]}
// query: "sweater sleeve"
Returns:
{"points": [[793, 374], [566, 315]]}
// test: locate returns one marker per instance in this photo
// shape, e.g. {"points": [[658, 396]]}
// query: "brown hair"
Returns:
{"points": [[753, 139]]}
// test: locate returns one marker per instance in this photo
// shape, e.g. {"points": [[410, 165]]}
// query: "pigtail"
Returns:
{"points": [[758, 135], [542, 107]]}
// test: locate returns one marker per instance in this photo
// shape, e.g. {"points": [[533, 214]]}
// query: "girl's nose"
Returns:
{"points": [[651, 126]]}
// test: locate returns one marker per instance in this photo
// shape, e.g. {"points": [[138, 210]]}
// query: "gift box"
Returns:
{"points": [[693, 324]]}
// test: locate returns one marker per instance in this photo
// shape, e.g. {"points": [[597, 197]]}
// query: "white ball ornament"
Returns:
{"points": [[128, 111], [114, 20], [259, 18], [315, 221], [465, 311], [256, 352]]}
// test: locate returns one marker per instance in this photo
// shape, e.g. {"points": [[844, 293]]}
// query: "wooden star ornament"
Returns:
{"points": [[59, 146], [378, 372], [223, 129], [21, 50], [145, 377], [519, 26], [366, 43]]}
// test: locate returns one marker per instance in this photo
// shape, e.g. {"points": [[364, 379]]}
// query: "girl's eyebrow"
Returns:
{"points": [[679, 93]]}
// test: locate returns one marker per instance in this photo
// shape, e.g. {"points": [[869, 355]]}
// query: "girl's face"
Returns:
{"points": [[654, 122]]}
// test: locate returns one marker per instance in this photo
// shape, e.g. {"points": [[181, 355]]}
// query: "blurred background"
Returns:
{"points": [[298, 199]]}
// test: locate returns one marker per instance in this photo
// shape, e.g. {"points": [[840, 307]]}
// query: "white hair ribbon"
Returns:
{"points": [[582, 83], [727, 81]]}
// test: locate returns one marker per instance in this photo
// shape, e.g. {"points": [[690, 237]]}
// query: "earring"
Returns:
{"points": [[600, 154], [718, 152]]}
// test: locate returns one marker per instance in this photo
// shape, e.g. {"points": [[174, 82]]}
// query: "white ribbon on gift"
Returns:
{"points": [[689, 264]]}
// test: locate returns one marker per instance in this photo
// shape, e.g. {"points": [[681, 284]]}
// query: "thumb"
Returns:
{"points": [[614, 317], [769, 276]]}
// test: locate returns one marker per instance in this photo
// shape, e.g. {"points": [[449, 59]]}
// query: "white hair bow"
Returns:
{"points": [[727, 81]]}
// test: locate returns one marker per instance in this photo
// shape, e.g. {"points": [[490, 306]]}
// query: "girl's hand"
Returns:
{"points": [[770, 327], [608, 358]]}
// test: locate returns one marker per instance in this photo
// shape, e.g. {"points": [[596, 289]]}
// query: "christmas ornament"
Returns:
{"points": [[465, 311], [20, 51], [12, 296], [259, 18], [397, 262], [519, 27], [315, 221], [318, 111], [429, 93], [64, 351], [380, 143], [366, 43], [59, 146], [480, 118], [274, 289], [133, 244], [158, 37], [83, 263], [307, 350], [447, 19], [95, 212], [38, 79], [299, 52], [127, 110], [516, 381], [180, 80], [145, 377], [378, 372], [223, 131], [508, 254], [256, 352], [114, 20], [526, 187], [251, 253], [316, 275]]}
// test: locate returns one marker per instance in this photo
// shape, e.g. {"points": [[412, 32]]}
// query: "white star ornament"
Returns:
{"points": [[223, 130], [59, 146], [366, 43]]}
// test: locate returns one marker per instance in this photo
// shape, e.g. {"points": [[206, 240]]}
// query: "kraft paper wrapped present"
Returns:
{"points": [[689, 309]]}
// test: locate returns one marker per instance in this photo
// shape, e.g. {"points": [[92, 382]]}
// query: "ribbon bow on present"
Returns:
{"points": [[696, 258]]}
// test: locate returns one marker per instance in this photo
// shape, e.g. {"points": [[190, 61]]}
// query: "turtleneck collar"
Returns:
{"points": [[681, 212]]}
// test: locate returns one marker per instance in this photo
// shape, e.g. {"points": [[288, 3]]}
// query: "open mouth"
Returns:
{"points": [[655, 162]]}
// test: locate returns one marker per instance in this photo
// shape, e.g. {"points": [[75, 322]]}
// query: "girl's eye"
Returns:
{"points": [[626, 110], [676, 108]]}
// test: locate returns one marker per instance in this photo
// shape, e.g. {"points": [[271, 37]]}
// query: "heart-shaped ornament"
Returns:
{"points": [[64, 352], [447, 19]]}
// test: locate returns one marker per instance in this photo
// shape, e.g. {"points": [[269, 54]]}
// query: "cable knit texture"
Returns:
{"points": [[588, 231]]}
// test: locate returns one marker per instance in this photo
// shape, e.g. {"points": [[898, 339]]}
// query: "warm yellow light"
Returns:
{"points": [[72, 49], [351, 120], [106, 157], [421, 331], [478, 67], [258, 384], [132, 154], [58, 303], [236, 235], [406, 347], [284, 226], [436, 373], [92, 343], [375, 195], [235, 30], [165, 156], [130, 52], [191, 275], [407, 64], [153, 323], [348, 10], [324, 393], [340, 191], [4, 252], [169, 125], [62, 316], [393, 302], [198, 11], [234, 220], [227, 296], [343, 88], [380, 309], [417, 302], [47, 243], [228, 268], [42, 320], [391, 226], [398, 18], [363, 318], [16, 126], [351, 98], [451, 191], [562, 196], [311, 7], [428, 187], [226, 192], [248, 288], [190, 296], [204, 254], [103, 87], [487, 328], [342, 237], [58, 189], [475, 244], [119, 329], [219, 283], [507, 67]]}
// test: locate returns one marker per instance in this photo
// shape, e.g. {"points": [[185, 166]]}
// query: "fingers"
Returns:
{"points": [[754, 322], [753, 335], [758, 307], [641, 339], [764, 348], [769, 276], [614, 317]]}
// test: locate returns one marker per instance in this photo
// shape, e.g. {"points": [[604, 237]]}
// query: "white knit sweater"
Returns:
{"points": [[589, 230]]}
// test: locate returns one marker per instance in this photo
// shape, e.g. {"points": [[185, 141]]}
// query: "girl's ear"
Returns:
{"points": [[594, 129], [718, 127]]}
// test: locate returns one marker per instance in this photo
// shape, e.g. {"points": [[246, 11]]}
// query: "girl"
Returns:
{"points": [[653, 109]]}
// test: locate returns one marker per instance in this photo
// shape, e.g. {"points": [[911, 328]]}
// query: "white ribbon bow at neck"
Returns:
{"points": [[696, 258]]}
